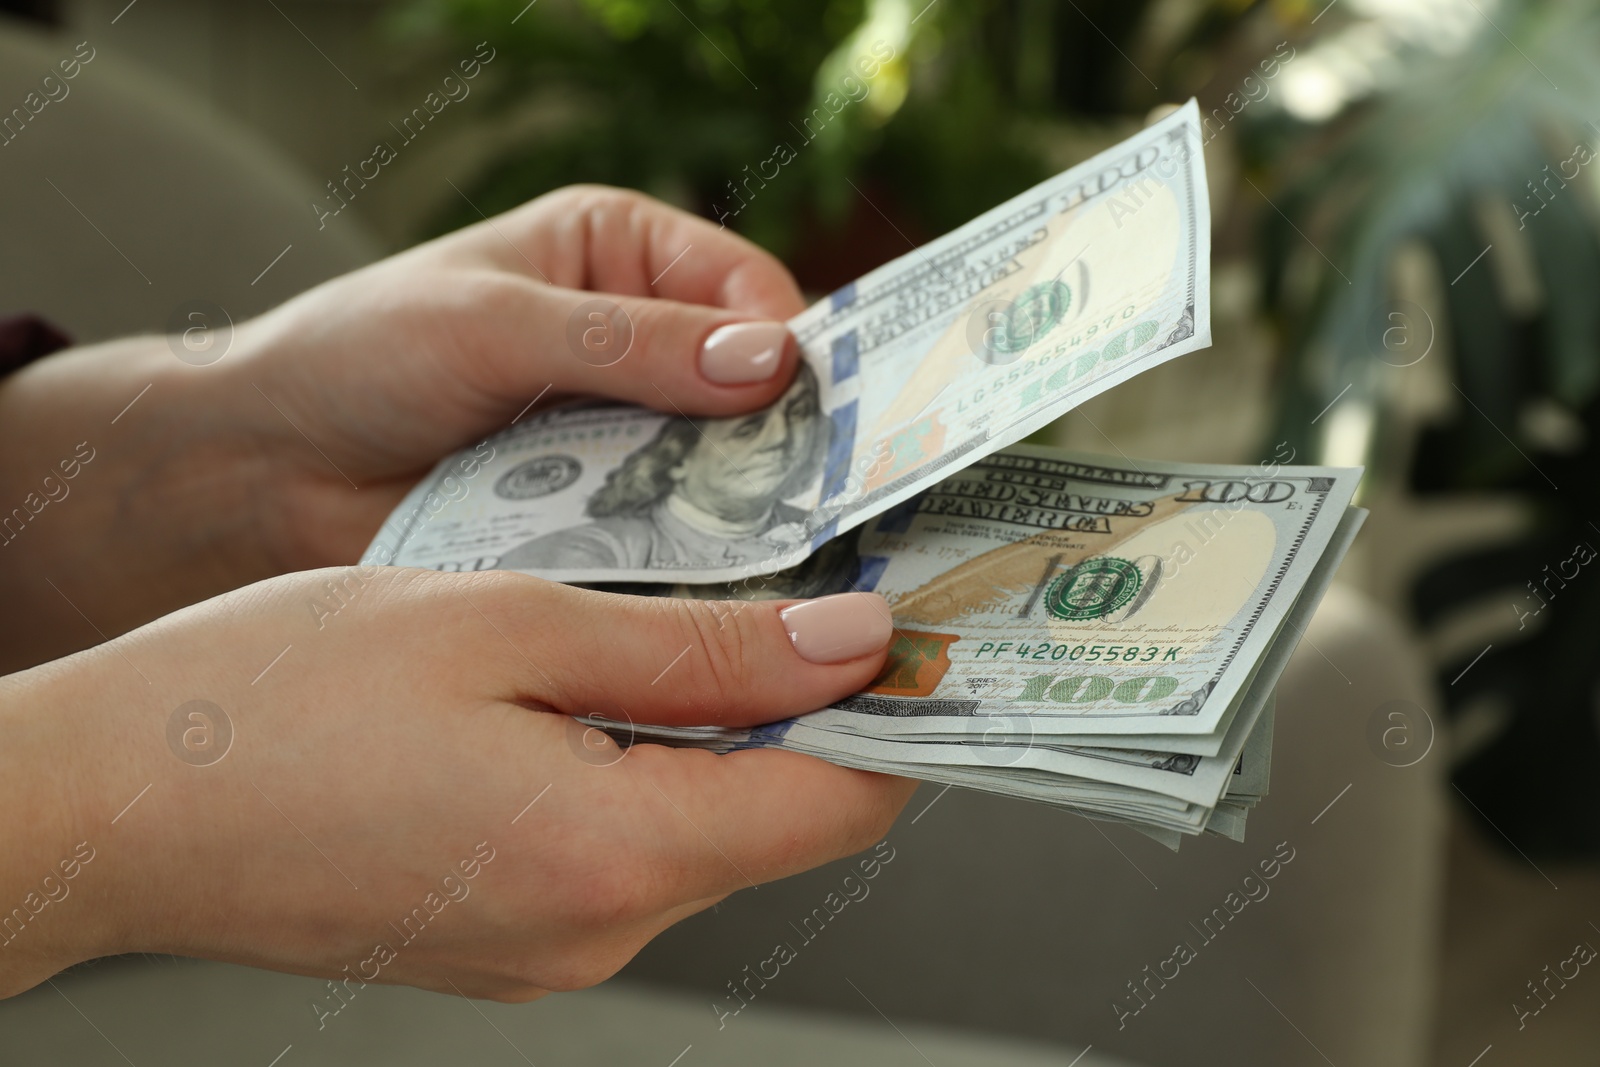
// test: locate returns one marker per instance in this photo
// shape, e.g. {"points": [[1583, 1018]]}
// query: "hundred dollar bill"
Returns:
{"points": [[1093, 596], [1000, 751], [915, 370], [1093, 633], [1258, 652]]}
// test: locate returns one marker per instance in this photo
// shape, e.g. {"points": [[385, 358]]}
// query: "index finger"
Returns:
{"points": [[623, 242]]}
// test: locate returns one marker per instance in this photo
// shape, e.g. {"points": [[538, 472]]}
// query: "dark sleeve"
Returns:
{"points": [[25, 338]]}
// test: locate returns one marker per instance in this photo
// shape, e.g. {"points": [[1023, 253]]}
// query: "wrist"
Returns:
{"points": [[59, 904], [124, 494]]}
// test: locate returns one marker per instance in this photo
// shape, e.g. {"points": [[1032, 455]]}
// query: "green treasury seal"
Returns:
{"points": [[1093, 589]]}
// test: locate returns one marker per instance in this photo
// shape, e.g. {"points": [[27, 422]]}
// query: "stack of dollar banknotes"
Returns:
{"points": [[1100, 633]]}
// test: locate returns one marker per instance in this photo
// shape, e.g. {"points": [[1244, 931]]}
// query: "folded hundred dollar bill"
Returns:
{"points": [[925, 365], [1089, 632]]}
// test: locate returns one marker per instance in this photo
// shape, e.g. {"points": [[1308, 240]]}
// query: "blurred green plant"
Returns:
{"points": [[1486, 158], [1463, 138], [699, 102]]}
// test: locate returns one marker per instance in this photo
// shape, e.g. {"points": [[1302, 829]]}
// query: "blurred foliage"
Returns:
{"points": [[1409, 123], [1462, 137], [1486, 158], [686, 99]]}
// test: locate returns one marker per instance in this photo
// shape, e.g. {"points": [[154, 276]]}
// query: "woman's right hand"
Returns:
{"points": [[385, 761]]}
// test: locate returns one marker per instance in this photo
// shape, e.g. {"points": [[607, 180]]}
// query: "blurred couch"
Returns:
{"points": [[126, 198]]}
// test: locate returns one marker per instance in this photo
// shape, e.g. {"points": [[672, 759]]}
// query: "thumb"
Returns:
{"points": [[694, 662]]}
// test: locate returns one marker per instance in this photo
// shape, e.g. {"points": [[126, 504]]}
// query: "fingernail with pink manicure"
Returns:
{"points": [[833, 629], [743, 353]]}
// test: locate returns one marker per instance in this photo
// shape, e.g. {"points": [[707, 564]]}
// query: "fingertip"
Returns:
{"points": [[839, 628], [745, 353], [688, 359]]}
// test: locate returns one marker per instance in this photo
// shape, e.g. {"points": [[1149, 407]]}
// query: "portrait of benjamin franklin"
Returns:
{"points": [[702, 492]]}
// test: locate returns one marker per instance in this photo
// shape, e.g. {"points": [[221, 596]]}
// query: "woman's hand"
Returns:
{"points": [[389, 369], [290, 451], [393, 792]]}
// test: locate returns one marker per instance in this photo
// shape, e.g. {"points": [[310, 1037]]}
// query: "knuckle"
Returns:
{"points": [[666, 326], [567, 199], [593, 192], [722, 638], [612, 898], [587, 967], [503, 597], [516, 991], [588, 201], [875, 825], [602, 920], [503, 590], [494, 293], [465, 599], [867, 823], [763, 258]]}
